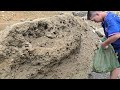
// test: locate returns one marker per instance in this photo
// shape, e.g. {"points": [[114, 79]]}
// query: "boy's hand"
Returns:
{"points": [[103, 45], [100, 43]]}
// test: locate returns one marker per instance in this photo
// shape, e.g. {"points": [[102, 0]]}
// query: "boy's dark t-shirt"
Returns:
{"points": [[111, 25]]}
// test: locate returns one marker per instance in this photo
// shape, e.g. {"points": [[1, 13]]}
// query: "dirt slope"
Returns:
{"points": [[55, 47]]}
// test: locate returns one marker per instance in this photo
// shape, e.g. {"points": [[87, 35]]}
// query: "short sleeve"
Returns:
{"points": [[112, 27]]}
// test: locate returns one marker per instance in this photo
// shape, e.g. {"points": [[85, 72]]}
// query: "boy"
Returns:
{"points": [[111, 26]]}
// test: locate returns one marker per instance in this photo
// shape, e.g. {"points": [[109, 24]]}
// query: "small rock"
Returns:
{"points": [[22, 20], [79, 13]]}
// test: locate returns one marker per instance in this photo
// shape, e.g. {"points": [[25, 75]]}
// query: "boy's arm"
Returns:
{"points": [[110, 40]]}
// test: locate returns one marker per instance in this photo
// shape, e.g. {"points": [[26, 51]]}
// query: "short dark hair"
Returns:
{"points": [[90, 13]]}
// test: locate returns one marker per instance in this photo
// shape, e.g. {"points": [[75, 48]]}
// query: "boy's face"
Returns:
{"points": [[96, 17]]}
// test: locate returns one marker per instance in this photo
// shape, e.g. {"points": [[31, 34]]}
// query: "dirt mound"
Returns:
{"points": [[46, 47]]}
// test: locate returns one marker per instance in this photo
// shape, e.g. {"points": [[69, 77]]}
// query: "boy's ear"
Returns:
{"points": [[98, 13]]}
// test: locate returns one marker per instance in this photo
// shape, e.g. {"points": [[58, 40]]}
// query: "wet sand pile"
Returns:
{"points": [[61, 46]]}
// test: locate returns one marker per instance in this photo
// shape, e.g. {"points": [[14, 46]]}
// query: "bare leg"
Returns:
{"points": [[114, 74]]}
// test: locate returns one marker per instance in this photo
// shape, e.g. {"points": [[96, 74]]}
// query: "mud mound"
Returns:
{"points": [[33, 49], [79, 63]]}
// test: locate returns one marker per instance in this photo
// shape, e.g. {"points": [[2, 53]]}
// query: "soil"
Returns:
{"points": [[46, 45]]}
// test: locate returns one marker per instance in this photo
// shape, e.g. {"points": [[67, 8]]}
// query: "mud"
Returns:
{"points": [[42, 45], [54, 47]]}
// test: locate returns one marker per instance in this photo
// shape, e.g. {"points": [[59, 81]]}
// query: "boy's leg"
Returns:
{"points": [[114, 74]]}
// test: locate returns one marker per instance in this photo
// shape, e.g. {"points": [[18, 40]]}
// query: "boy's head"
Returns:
{"points": [[97, 16]]}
